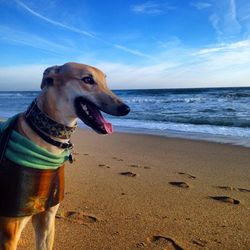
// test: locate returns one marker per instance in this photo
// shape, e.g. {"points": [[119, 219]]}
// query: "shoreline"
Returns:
{"points": [[196, 136], [228, 140], [133, 191]]}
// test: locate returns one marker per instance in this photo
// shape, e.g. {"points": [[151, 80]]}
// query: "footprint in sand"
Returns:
{"points": [[103, 166], [165, 243], [77, 217], [118, 159], [181, 184], [200, 242], [134, 166], [244, 190], [77, 153], [226, 188], [129, 174], [225, 199], [187, 175], [141, 245], [138, 166]]}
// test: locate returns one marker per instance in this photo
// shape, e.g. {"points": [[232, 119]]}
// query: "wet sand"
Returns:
{"points": [[128, 191]]}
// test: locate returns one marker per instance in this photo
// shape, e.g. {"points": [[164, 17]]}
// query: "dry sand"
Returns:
{"points": [[129, 191]]}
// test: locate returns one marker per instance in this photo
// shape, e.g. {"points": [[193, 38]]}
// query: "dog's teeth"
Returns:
{"points": [[85, 108]]}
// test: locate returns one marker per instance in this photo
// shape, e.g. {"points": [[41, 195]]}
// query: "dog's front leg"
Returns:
{"points": [[10, 231], [44, 225]]}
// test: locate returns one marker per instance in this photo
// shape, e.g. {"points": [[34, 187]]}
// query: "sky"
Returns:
{"points": [[137, 43]]}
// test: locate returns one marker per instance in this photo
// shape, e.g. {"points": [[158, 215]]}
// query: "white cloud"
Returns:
{"points": [[71, 28], [226, 47], [230, 68], [221, 65], [201, 5], [134, 52], [151, 8], [224, 64], [23, 77], [80, 31], [171, 42], [225, 20], [19, 37]]}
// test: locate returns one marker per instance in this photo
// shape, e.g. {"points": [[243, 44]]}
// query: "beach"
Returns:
{"points": [[135, 191], [166, 84]]}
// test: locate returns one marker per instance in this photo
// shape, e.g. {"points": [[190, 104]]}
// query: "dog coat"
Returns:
{"points": [[31, 178]]}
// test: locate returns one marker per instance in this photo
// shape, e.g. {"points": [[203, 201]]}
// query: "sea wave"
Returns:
{"points": [[11, 95], [183, 118], [182, 127], [18, 95], [214, 111], [165, 100], [234, 95]]}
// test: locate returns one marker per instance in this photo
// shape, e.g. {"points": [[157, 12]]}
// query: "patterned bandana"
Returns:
{"points": [[22, 151], [31, 178], [46, 125], [28, 191]]}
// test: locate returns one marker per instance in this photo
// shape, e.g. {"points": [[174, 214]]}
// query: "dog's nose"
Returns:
{"points": [[123, 109]]}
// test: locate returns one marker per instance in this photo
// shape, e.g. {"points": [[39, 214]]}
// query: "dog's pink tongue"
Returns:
{"points": [[108, 127]]}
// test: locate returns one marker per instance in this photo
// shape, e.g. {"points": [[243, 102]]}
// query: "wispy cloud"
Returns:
{"points": [[58, 24], [201, 5], [22, 77], [151, 8], [225, 17], [19, 37], [219, 65], [246, 17], [226, 47], [224, 64], [225, 21], [232, 10], [80, 31], [173, 64], [171, 42], [243, 11], [134, 52]]}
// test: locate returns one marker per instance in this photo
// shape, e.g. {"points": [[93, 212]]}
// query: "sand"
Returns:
{"points": [[128, 191]]}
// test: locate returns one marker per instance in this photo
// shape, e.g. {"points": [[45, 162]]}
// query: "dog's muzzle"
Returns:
{"points": [[123, 110], [91, 115]]}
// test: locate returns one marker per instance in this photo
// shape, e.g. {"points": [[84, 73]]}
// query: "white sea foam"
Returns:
{"points": [[214, 114]]}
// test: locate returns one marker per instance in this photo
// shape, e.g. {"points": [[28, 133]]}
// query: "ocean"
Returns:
{"points": [[213, 114]]}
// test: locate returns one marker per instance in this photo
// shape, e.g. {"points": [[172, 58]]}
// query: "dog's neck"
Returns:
{"points": [[44, 120], [46, 127], [57, 107]]}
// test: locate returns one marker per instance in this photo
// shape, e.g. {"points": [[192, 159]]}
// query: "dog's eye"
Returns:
{"points": [[88, 80]]}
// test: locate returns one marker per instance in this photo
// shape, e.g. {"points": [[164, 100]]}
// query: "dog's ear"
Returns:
{"points": [[49, 76]]}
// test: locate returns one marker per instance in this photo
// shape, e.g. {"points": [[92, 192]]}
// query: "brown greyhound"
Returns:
{"points": [[69, 92]]}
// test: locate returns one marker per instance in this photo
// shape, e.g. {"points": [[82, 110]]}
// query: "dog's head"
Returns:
{"points": [[84, 88]]}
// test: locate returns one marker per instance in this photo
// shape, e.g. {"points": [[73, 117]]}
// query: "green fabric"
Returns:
{"points": [[24, 152]]}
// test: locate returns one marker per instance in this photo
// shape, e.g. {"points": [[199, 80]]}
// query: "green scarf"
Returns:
{"points": [[24, 152]]}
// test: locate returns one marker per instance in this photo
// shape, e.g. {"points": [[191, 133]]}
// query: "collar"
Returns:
{"points": [[45, 124], [45, 127]]}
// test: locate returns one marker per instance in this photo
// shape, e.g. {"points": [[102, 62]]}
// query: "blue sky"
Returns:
{"points": [[139, 44]]}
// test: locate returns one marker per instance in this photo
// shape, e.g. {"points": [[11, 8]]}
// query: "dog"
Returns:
{"points": [[68, 92]]}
